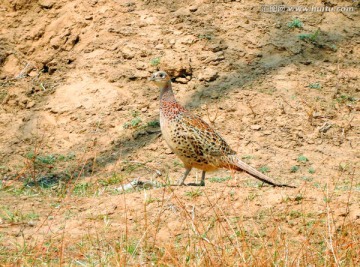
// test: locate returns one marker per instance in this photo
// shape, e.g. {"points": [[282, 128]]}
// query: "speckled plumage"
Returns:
{"points": [[193, 140]]}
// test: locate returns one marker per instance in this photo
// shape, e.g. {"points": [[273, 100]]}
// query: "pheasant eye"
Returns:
{"points": [[162, 76]]}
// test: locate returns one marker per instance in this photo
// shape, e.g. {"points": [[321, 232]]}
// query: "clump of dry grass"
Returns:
{"points": [[213, 232]]}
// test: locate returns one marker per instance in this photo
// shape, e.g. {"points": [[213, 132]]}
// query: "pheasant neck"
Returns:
{"points": [[167, 93]]}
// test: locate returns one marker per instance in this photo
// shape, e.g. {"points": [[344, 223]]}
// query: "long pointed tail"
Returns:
{"points": [[242, 166]]}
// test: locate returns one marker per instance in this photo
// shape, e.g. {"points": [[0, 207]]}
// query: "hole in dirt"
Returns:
{"points": [[77, 39], [51, 71], [45, 69]]}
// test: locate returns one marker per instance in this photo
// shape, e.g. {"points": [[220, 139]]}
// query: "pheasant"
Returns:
{"points": [[194, 141]]}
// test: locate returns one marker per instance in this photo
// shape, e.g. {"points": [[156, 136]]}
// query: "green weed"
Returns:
{"points": [[345, 98], [264, 169], [307, 179], [343, 166], [314, 86], [296, 23], [154, 123], [114, 179], [155, 61], [302, 159], [17, 216], [219, 179], [194, 193], [81, 189], [294, 169], [207, 36], [135, 122], [310, 36]]}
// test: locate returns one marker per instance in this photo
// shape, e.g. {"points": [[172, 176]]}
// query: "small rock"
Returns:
{"points": [[182, 80], [216, 57], [56, 42], [208, 75], [30, 104], [138, 134], [176, 66], [267, 133], [128, 53], [255, 127], [159, 47], [215, 95], [143, 110], [46, 3], [325, 127], [72, 40], [140, 66], [152, 147], [193, 8], [187, 40], [216, 47], [31, 223], [182, 12], [139, 74]]}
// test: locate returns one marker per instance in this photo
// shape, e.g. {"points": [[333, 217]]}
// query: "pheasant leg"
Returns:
{"points": [[202, 183], [182, 179]]}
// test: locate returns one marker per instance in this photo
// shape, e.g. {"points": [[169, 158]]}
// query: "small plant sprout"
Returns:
{"points": [[302, 159], [219, 179], [314, 86], [307, 179], [298, 198], [155, 61], [264, 169], [345, 98], [296, 23], [343, 166], [206, 36], [133, 123], [312, 37], [294, 168], [154, 123], [333, 47], [194, 193]]}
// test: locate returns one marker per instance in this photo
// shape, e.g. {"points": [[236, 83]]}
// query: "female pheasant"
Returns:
{"points": [[193, 140]]}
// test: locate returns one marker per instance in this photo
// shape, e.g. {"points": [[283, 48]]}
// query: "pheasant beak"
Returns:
{"points": [[152, 78]]}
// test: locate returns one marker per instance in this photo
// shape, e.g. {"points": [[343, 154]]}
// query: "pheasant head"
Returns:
{"points": [[161, 79]]}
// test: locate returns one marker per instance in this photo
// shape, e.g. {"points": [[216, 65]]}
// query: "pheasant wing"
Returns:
{"points": [[203, 138]]}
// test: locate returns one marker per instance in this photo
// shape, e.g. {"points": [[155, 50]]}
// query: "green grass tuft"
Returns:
{"points": [[302, 159], [296, 23]]}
